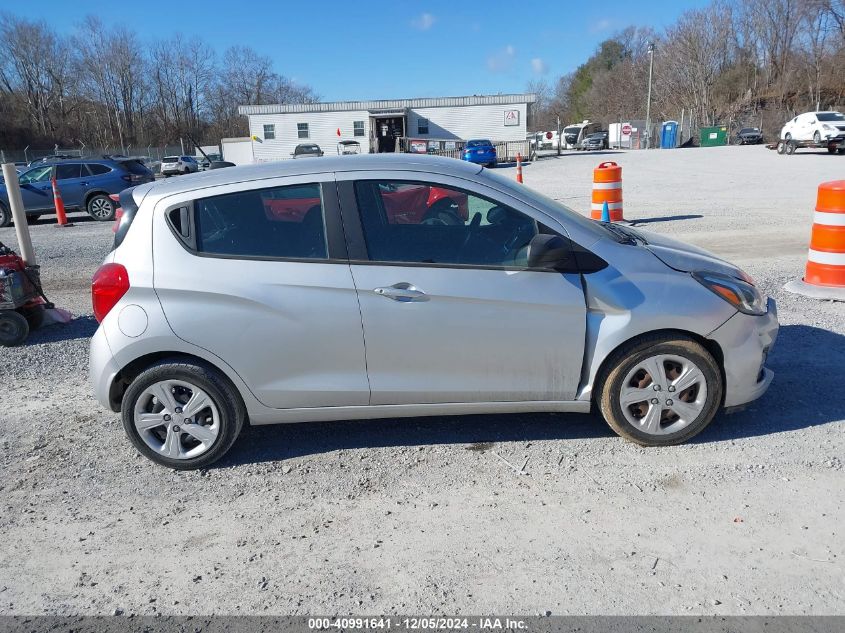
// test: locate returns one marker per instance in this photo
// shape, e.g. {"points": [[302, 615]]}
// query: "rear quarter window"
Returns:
{"points": [[98, 169], [134, 167]]}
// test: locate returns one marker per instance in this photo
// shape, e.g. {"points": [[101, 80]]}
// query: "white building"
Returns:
{"points": [[384, 126]]}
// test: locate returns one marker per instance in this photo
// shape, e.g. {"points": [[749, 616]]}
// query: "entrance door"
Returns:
{"points": [[451, 312], [387, 130]]}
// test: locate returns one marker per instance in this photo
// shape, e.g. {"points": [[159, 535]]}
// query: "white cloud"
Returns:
{"points": [[502, 60], [539, 66], [601, 25], [423, 22]]}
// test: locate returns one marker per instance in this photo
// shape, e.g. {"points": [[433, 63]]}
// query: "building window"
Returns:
{"points": [[422, 126], [358, 127], [302, 130], [269, 132]]}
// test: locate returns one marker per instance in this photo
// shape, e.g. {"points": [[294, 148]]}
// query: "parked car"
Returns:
{"points": [[305, 150], [480, 151], [815, 126], [595, 141], [174, 165], [216, 311], [85, 185], [749, 136]]}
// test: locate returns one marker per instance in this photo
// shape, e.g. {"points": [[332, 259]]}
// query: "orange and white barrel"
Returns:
{"points": [[607, 187], [826, 259]]}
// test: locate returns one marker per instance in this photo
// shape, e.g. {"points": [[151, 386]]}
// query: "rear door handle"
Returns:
{"points": [[403, 291]]}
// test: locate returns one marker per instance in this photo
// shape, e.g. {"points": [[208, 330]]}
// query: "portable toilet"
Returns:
{"points": [[669, 135]]}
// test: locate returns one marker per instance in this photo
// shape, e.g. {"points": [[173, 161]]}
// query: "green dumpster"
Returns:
{"points": [[714, 135]]}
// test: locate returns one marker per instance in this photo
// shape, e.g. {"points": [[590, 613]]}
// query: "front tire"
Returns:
{"points": [[660, 390], [101, 208], [182, 415], [817, 138]]}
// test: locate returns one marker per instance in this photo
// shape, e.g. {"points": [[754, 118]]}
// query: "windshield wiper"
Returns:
{"points": [[624, 234]]}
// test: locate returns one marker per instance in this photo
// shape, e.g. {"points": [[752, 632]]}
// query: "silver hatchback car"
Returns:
{"points": [[390, 286]]}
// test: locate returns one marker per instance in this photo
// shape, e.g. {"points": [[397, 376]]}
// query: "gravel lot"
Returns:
{"points": [[425, 515]]}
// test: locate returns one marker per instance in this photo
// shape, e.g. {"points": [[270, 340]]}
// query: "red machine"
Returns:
{"points": [[22, 302]]}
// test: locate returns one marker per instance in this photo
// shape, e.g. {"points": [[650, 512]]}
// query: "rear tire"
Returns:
{"points": [[5, 216], [220, 420], [688, 378], [101, 208], [790, 148], [13, 328]]}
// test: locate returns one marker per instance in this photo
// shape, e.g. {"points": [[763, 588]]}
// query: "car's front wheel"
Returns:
{"points": [[182, 415], [817, 138], [101, 208], [660, 390]]}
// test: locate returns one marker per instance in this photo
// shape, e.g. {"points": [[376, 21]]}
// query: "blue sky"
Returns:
{"points": [[355, 50]]}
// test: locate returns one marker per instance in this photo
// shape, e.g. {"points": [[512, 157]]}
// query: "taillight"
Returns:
{"points": [[110, 283]]}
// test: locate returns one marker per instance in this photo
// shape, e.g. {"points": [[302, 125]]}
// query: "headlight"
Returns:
{"points": [[828, 127], [742, 295]]}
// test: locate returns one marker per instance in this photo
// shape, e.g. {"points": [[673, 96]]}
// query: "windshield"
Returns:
{"points": [[749, 130], [571, 130], [170, 159], [479, 143], [830, 116]]}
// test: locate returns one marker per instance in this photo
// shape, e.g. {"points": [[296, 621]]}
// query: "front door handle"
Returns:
{"points": [[403, 291]]}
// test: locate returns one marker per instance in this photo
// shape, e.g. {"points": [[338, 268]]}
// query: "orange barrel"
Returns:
{"points": [[607, 187], [826, 259]]}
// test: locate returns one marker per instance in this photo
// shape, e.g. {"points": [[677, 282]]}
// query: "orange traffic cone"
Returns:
{"points": [[59, 204], [607, 192], [824, 276], [519, 167]]}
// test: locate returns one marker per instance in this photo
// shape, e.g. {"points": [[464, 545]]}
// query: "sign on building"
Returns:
{"points": [[511, 117]]}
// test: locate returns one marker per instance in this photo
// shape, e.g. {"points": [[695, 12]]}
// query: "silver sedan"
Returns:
{"points": [[394, 286]]}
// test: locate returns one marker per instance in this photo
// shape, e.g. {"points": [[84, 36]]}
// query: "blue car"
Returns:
{"points": [[84, 183], [480, 151]]}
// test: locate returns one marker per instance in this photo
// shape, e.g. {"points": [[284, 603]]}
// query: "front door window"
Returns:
{"points": [[418, 222]]}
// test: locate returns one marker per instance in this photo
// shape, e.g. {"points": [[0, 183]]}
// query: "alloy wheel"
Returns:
{"points": [[663, 394], [176, 419], [101, 207]]}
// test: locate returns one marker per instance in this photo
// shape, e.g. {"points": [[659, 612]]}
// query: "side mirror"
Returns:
{"points": [[547, 251]]}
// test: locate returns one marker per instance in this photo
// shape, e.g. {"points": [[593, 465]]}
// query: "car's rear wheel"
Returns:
{"points": [[788, 136], [182, 415], [661, 390], [101, 208], [5, 216]]}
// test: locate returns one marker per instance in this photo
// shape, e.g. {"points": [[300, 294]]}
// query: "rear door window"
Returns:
{"points": [[279, 222], [66, 171]]}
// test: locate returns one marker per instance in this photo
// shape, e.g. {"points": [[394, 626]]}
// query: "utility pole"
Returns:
{"points": [[648, 102]]}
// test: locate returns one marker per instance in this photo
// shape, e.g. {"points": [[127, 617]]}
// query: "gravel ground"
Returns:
{"points": [[427, 515]]}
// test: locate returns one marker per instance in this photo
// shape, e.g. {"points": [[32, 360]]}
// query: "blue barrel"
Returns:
{"points": [[669, 135]]}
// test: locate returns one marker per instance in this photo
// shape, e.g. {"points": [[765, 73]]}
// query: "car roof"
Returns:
{"points": [[71, 161], [258, 171]]}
